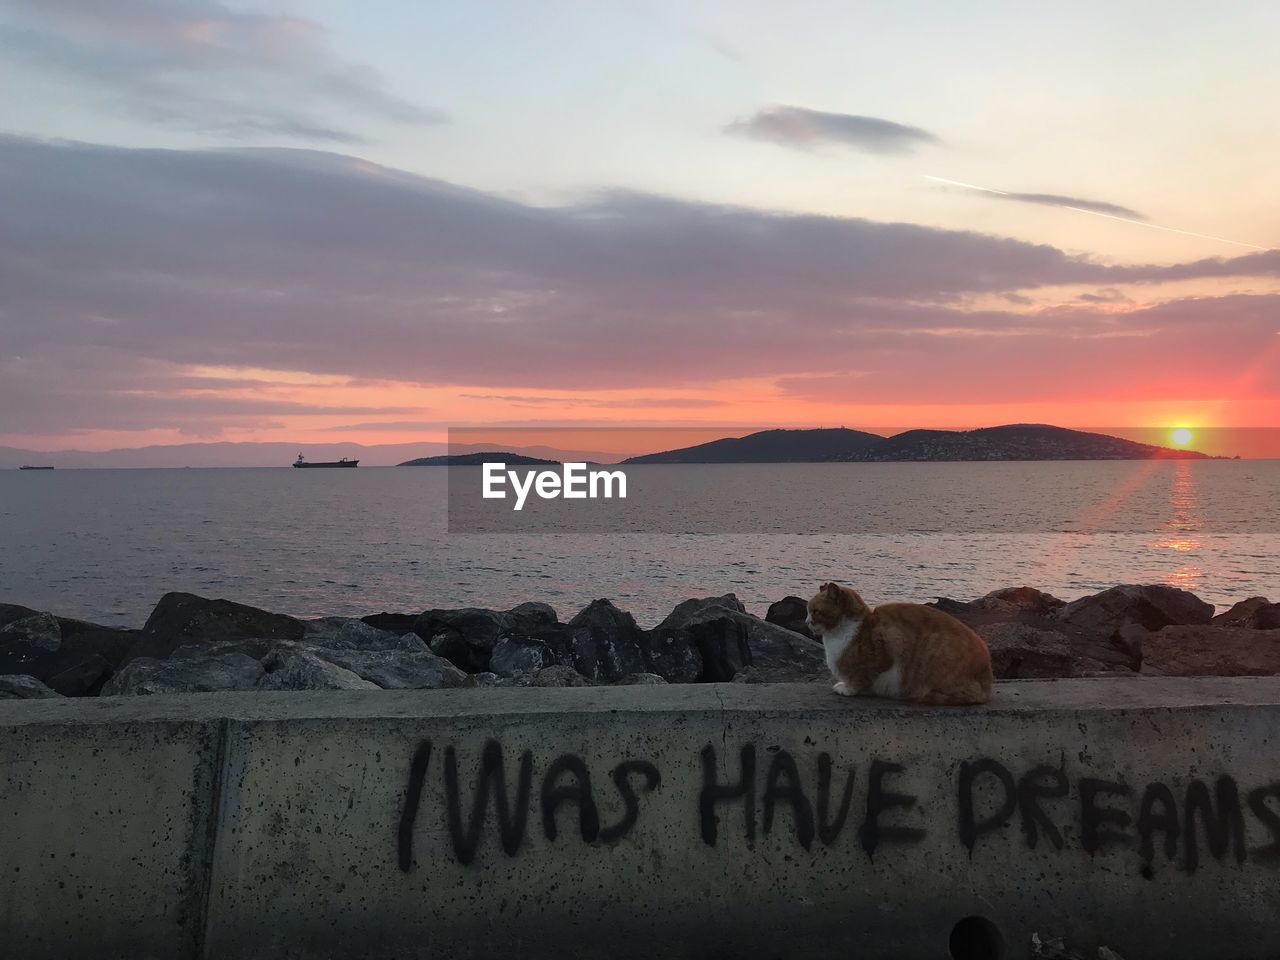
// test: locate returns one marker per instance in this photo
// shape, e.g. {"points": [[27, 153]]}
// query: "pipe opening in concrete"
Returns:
{"points": [[976, 938]]}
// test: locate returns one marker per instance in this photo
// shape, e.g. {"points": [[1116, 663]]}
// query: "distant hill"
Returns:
{"points": [[1015, 441], [772, 446], [476, 459]]}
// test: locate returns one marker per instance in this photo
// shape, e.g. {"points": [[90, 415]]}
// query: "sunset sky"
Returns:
{"points": [[372, 222]]}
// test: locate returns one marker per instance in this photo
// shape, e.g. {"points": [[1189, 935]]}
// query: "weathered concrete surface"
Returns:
{"points": [[345, 823], [104, 834]]}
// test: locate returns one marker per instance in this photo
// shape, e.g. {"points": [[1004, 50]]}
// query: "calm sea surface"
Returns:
{"points": [[105, 544]]}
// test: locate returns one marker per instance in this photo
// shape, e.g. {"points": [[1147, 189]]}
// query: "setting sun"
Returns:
{"points": [[1181, 437]]}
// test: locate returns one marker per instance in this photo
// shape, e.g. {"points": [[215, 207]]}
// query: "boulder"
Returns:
{"points": [[790, 613], [33, 646], [768, 645], [341, 633], [686, 610], [1257, 613], [485, 679], [10, 612], [397, 669], [19, 687], [1211, 650], [39, 631], [517, 656], [722, 647], [1241, 612], [181, 618], [999, 606], [256, 648], [1150, 606], [639, 680], [532, 616], [397, 623], [192, 674], [1016, 601], [559, 676], [672, 653], [1020, 651], [293, 669], [606, 643], [467, 637], [113, 644]]}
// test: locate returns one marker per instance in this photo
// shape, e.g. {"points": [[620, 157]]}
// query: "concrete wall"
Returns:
{"points": [[1140, 814]]}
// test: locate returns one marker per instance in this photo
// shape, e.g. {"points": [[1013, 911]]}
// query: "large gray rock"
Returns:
{"points": [[33, 646], [1000, 606], [397, 623], [1020, 651], [532, 616], [211, 673], [1149, 606], [606, 643], [1241, 613], [722, 647], [10, 612], [1257, 613], [721, 633], [342, 633], [398, 669], [1211, 650], [24, 688], [673, 654], [559, 676], [517, 656], [686, 610], [466, 637], [39, 631], [295, 669], [790, 613], [181, 618]]}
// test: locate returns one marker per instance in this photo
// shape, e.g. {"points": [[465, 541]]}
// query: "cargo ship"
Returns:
{"points": [[344, 462], [24, 467]]}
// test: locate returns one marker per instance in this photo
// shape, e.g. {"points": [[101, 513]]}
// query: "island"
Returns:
{"points": [[1015, 441]]}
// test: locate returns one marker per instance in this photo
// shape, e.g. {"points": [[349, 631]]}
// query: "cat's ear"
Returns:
{"points": [[831, 589]]}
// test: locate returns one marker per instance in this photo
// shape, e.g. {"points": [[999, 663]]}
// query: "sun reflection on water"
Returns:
{"points": [[1182, 532]]}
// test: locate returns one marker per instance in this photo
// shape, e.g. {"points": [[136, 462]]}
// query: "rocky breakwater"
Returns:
{"points": [[192, 644]]}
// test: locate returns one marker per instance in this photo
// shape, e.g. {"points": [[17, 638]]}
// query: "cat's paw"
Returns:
{"points": [[843, 689]]}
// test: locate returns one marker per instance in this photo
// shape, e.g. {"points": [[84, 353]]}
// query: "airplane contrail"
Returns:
{"points": [[1099, 213]]}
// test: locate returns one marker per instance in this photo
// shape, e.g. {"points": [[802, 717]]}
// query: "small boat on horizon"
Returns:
{"points": [[344, 462], [26, 467]]}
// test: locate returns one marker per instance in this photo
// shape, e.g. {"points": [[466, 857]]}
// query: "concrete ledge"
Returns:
{"points": [[695, 821]]}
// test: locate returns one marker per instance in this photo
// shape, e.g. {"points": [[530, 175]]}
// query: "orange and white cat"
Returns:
{"points": [[901, 650]]}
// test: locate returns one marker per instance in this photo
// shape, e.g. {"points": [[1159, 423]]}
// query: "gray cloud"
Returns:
{"points": [[804, 128], [1078, 203], [630, 403], [136, 262], [199, 65]]}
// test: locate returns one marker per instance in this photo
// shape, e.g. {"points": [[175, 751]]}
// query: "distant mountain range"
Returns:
{"points": [[477, 459], [1016, 441], [773, 446], [1012, 442]]}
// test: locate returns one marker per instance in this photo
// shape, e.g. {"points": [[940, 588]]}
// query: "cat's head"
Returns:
{"points": [[832, 605]]}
